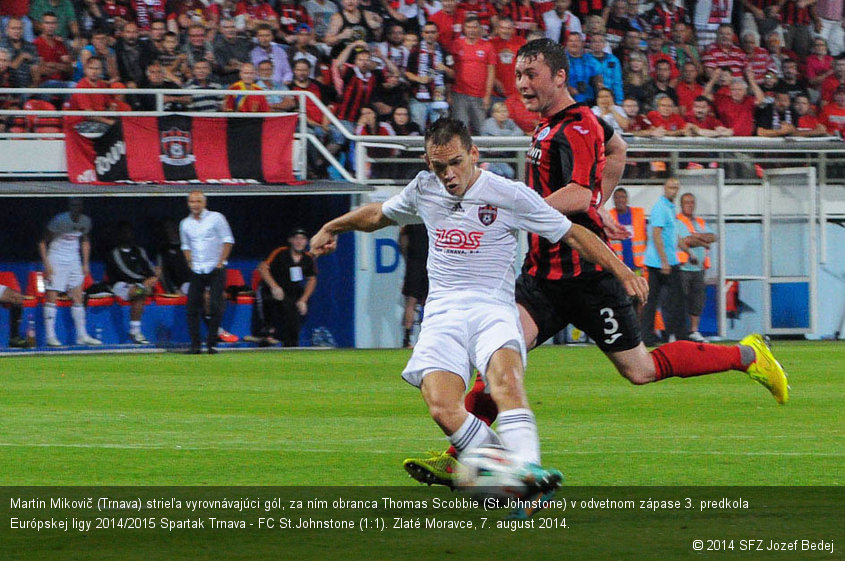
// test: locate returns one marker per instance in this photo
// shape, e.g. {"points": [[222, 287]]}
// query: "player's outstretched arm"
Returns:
{"points": [[594, 249], [367, 218]]}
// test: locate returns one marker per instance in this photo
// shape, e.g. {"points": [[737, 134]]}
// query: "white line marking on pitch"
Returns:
{"points": [[330, 450]]}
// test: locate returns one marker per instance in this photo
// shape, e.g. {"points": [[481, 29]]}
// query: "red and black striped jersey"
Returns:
{"points": [[357, 91], [567, 147], [793, 14]]}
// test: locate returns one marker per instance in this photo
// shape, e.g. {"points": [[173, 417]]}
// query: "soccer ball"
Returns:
{"points": [[491, 471]]}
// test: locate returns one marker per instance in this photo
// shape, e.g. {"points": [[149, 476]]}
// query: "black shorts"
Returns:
{"points": [[416, 281], [597, 305]]}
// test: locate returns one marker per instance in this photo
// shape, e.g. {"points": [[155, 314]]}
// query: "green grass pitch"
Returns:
{"points": [[347, 418], [320, 422]]}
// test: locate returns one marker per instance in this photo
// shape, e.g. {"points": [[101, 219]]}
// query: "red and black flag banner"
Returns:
{"points": [[177, 149]]}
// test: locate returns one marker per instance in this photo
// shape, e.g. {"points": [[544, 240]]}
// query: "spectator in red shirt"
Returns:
{"points": [[93, 102], [257, 12], [833, 114], [475, 73], [808, 124], [758, 58], [736, 108], [483, 9], [702, 122], [656, 53], [688, 89], [724, 54], [55, 63], [506, 44], [665, 121], [834, 81], [524, 14], [446, 20], [819, 64]]}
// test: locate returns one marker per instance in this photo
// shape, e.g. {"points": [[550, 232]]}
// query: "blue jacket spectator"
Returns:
{"points": [[585, 72], [611, 67]]}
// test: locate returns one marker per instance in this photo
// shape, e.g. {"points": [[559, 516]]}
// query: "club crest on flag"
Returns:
{"points": [[176, 148], [487, 214]]}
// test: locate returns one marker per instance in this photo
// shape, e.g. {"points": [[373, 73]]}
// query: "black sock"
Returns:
{"points": [[15, 312]]}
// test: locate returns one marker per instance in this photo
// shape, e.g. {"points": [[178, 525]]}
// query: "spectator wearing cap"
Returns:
{"points": [[288, 279], [656, 51], [291, 16], [266, 49], [303, 48], [833, 114]]}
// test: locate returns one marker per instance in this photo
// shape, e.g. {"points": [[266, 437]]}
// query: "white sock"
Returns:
{"points": [[472, 434], [134, 327], [50, 319], [78, 315], [518, 431]]}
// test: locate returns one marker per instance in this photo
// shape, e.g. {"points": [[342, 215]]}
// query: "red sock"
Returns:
{"points": [[479, 404], [684, 359]]}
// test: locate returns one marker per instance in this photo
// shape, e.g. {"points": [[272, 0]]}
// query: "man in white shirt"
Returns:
{"points": [[471, 320], [65, 251], [206, 242]]}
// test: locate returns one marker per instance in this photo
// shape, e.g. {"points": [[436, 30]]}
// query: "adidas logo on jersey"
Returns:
{"points": [[457, 207]]}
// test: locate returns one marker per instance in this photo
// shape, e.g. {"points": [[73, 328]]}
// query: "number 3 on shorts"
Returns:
{"points": [[611, 326]]}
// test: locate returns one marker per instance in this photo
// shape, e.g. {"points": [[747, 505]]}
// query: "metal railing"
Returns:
{"points": [[737, 154]]}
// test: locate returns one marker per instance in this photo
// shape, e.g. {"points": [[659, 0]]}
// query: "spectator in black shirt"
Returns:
{"points": [[289, 277]]}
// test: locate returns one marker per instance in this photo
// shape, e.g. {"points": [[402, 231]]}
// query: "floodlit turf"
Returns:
{"points": [[311, 419], [346, 418]]}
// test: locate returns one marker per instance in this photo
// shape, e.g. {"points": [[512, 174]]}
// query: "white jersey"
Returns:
{"points": [[472, 239], [66, 237]]}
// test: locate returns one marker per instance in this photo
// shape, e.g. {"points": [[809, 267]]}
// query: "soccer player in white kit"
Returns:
{"points": [[65, 252], [471, 320]]}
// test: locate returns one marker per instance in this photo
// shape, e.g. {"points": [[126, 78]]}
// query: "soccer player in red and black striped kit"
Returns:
{"points": [[557, 286]]}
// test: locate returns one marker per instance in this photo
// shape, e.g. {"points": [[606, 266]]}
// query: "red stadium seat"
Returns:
{"points": [[234, 277], [164, 299], [42, 124], [256, 280], [8, 278]]}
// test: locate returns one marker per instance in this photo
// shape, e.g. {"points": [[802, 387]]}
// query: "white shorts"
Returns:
{"points": [[122, 289], [65, 277], [2, 290], [456, 340]]}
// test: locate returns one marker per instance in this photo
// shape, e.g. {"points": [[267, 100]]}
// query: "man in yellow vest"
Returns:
{"points": [[632, 218], [694, 239]]}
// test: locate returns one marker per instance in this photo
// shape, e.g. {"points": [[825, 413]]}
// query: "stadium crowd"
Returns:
{"points": [[662, 68]]}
